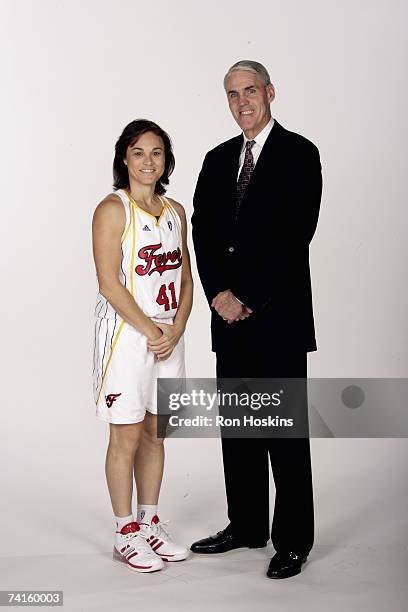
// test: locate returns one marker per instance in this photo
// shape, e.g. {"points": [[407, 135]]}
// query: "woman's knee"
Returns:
{"points": [[151, 430], [125, 438]]}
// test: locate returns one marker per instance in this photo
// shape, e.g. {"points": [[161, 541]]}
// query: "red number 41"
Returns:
{"points": [[163, 298]]}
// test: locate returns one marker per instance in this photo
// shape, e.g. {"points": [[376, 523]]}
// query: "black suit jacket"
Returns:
{"points": [[263, 257]]}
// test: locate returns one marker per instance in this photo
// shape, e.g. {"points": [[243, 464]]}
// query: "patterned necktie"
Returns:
{"points": [[245, 175]]}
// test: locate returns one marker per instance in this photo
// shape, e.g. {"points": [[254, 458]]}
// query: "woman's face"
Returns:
{"points": [[145, 159]]}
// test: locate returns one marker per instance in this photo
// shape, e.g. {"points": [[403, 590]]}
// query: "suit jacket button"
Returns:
{"points": [[231, 249]]}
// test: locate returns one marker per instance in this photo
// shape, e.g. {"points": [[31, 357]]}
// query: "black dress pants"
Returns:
{"points": [[246, 468]]}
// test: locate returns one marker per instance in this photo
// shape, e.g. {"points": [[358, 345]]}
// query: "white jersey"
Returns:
{"points": [[151, 260]]}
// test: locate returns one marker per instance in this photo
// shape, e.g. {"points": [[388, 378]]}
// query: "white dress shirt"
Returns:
{"points": [[257, 147]]}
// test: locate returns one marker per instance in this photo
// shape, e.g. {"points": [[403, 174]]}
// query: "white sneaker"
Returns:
{"points": [[161, 542], [132, 549]]}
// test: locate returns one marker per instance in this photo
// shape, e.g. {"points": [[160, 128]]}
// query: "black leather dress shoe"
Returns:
{"points": [[222, 542], [285, 565]]}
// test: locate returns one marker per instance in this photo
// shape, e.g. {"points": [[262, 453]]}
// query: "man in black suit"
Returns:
{"points": [[256, 207]]}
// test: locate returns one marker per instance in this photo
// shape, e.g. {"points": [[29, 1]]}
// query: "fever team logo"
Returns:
{"points": [[157, 262], [109, 399]]}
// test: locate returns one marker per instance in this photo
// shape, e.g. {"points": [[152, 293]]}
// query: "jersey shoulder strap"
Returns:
{"points": [[126, 204], [172, 209]]}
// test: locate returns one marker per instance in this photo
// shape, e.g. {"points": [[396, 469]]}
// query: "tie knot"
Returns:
{"points": [[249, 144]]}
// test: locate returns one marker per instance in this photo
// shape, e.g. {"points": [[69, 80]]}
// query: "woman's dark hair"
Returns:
{"points": [[129, 136]]}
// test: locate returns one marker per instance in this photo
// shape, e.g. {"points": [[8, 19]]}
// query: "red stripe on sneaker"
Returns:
{"points": [[154, 542], [132, 564], [158, 546], [128, 553]]}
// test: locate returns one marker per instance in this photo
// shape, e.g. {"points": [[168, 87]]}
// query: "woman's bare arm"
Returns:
{"points": [[107, 229]]}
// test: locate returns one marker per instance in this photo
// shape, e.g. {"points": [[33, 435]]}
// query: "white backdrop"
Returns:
{"points": [[74, 73]]}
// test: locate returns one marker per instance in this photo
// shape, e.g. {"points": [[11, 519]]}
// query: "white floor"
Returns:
{"points": [[335, 578], [56, 533]]}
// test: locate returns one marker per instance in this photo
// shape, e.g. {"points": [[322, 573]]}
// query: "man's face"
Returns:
{"points": [[249, 100]]}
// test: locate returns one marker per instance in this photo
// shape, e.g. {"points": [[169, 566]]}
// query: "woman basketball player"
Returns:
{"points": [[144, 301]]}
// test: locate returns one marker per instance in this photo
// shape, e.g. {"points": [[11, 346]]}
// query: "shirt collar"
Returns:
{"points": [[263, 135]]}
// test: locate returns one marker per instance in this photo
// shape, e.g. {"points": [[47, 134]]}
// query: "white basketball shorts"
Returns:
{"points": [[126, 372]]}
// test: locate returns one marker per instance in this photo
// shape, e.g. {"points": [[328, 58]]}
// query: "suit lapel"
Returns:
{"points": [[229, 176], [267, 160], [232, 164]]}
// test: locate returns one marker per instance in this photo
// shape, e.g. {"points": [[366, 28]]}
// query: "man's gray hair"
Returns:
{"points": [[251, 66]]}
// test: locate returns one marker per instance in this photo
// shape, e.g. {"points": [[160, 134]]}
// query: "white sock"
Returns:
{"points": [[145, 513], [121, 521]]}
